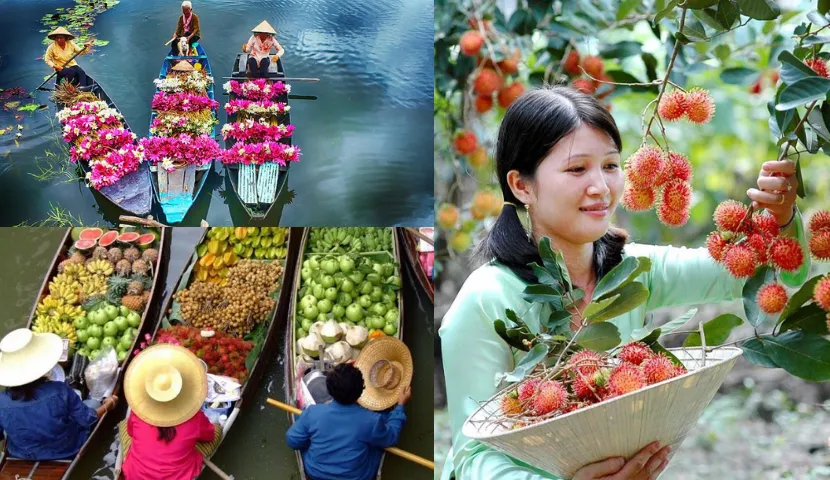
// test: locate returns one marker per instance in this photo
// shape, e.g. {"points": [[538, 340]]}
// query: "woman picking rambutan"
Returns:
{"points": [[558, 165]]}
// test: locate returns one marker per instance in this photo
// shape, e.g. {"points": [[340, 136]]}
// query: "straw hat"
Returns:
{"points": [[264, 27], [26, 356], [386, 365], [60, 31], [165, 385], [183, 66]]}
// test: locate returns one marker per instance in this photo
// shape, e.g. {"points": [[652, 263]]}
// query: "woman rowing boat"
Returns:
{"points": [[59, 56], [259, 46], [188, 26]]}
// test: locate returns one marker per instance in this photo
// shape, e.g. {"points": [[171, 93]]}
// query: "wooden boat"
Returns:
{"points": [[294, 371], [268, 346], [411, 246], [257, 187], [177, 190], [133, 193], [11, 468]]}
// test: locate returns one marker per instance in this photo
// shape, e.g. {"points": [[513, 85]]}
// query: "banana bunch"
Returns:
{"points": [[94, 285], [100, 266], [65, 291], [52, 307], [53, 325], [76, 270], [350, 240]]}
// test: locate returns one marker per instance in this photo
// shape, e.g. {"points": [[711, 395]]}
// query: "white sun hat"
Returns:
{"points": [[26, 356]]}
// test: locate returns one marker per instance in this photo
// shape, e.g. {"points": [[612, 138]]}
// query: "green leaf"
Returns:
{"points": [[823, 6], [625, 77], [650, 62], [623, 49], [630, 297], [527, 363], [542, 293], [816, 40], [716, 330], [662, 13], [727, 13], [563, 270], [756, 353], [621, 275], [816, 121], [501, 330], [599, 337], [817, 19], [802, 92], [799, 298], [694, 30], [626, 7], [661, 349], [672, 325], [557, 319], [652, 338], [597, 306], [762, 276], [759, 9], [793, 69], [809, 318], [805, 355], [700, 4], [739, 75], [548, 257], [546, 276]]}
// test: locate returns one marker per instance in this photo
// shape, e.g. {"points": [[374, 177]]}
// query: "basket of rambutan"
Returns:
{"points": [[594, 405]]}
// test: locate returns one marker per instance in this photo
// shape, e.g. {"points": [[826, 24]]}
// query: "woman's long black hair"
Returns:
{"points": [[25, 392], [532, 125]]}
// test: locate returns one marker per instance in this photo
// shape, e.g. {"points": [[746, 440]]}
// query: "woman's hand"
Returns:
{"points": [[57, 68], [645, 465], [777, 187], [88, 43], [245, 47]]}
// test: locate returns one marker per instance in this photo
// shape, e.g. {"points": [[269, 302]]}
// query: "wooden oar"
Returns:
{"points": [[393, 450], [217, 470], [169, 41], [64, 66], [417, 233]]}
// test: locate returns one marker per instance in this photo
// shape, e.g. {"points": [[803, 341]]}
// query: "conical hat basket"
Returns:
{"points": [[622, 426]]}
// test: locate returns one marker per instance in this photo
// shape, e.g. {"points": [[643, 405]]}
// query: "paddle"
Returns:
{"points": [[217, 470], [64, 66], [417, 233], [393, 450], [169, 41]]}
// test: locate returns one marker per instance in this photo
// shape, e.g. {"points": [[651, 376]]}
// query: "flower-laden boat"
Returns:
{"points": [[104, 147], [258, 136], [182, 146]]}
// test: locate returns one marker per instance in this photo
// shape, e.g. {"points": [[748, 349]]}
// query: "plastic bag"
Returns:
{"points": [[222, 389], [101, 374]]}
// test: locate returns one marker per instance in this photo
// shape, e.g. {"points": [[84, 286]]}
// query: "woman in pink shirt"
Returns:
{"points": [[165, 386], [258, 48]]}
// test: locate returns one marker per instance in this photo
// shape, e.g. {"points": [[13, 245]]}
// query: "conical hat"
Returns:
{"points": [[264, 27], [60, 31], [165, 385], [26, 356], [386, 365], [183, 66]]}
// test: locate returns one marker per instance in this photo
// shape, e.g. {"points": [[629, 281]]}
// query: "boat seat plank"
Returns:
{"points": [[247, 183], [19, 469], [267, 182]]}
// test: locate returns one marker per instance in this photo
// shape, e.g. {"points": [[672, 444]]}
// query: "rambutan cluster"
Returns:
{"points": [[493, 77], [819, 228], [821, 295], [696, 105], [743, 245], [588, 378], [660, 179], [819, 65], [594, 82]]}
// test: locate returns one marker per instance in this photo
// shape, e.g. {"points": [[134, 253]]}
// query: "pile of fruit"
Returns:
{"points": [[223, 247], [587, 378], [104, 271], [237, 306], [350, 240], [224, 354]]}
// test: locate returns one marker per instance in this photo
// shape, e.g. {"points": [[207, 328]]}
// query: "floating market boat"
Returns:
{"points": [[304, 374], [177, 190], [133, 192], [257, 186], [416, 249], [74, 242], [223, 243]]}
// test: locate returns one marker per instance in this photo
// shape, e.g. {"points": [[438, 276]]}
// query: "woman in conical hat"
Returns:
{"points": [[42, 419], [165, 386], [188, 25], [58, 56], [258, 48]]}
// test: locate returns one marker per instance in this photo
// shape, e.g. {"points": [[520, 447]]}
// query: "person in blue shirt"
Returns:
{"points": [[41, 419], [342, 440]]}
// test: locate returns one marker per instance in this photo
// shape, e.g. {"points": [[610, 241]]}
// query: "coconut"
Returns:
{"points": [[315, 329], [311, 345], [331, 332], [339, 352], [357, 336], [343, 326]]}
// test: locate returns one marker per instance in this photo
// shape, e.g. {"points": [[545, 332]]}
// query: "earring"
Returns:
{"points": [[529, 223]]}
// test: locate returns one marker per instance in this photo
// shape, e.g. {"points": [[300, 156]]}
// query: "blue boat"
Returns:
{"points": [[176, 191]]}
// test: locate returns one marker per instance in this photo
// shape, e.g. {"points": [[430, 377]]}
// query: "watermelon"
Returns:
{"points": [[90, 234], [146, 241], [84, 244], [128, 237], [76, 233], [108, 238]]}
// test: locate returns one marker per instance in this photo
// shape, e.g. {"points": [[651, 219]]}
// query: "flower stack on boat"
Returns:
{"points": [[257, 141], [181, 145]]}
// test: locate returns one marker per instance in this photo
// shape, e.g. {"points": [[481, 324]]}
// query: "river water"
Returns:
{"points": [[255, 447], [366, 139]]}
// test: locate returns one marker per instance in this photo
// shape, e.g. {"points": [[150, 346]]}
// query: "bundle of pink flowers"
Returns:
{"points": [[258, 89], [260, 153], [183, 102], [99, 145], [256, 131], [256, 108], [115, 165], [83, 125], [183, 147]]}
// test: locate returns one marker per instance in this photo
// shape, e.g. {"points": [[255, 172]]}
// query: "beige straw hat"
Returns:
{"points": [[386, 365], [26, 356], [60, 31], [264, 27], [183, 66], [165, 385]]}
